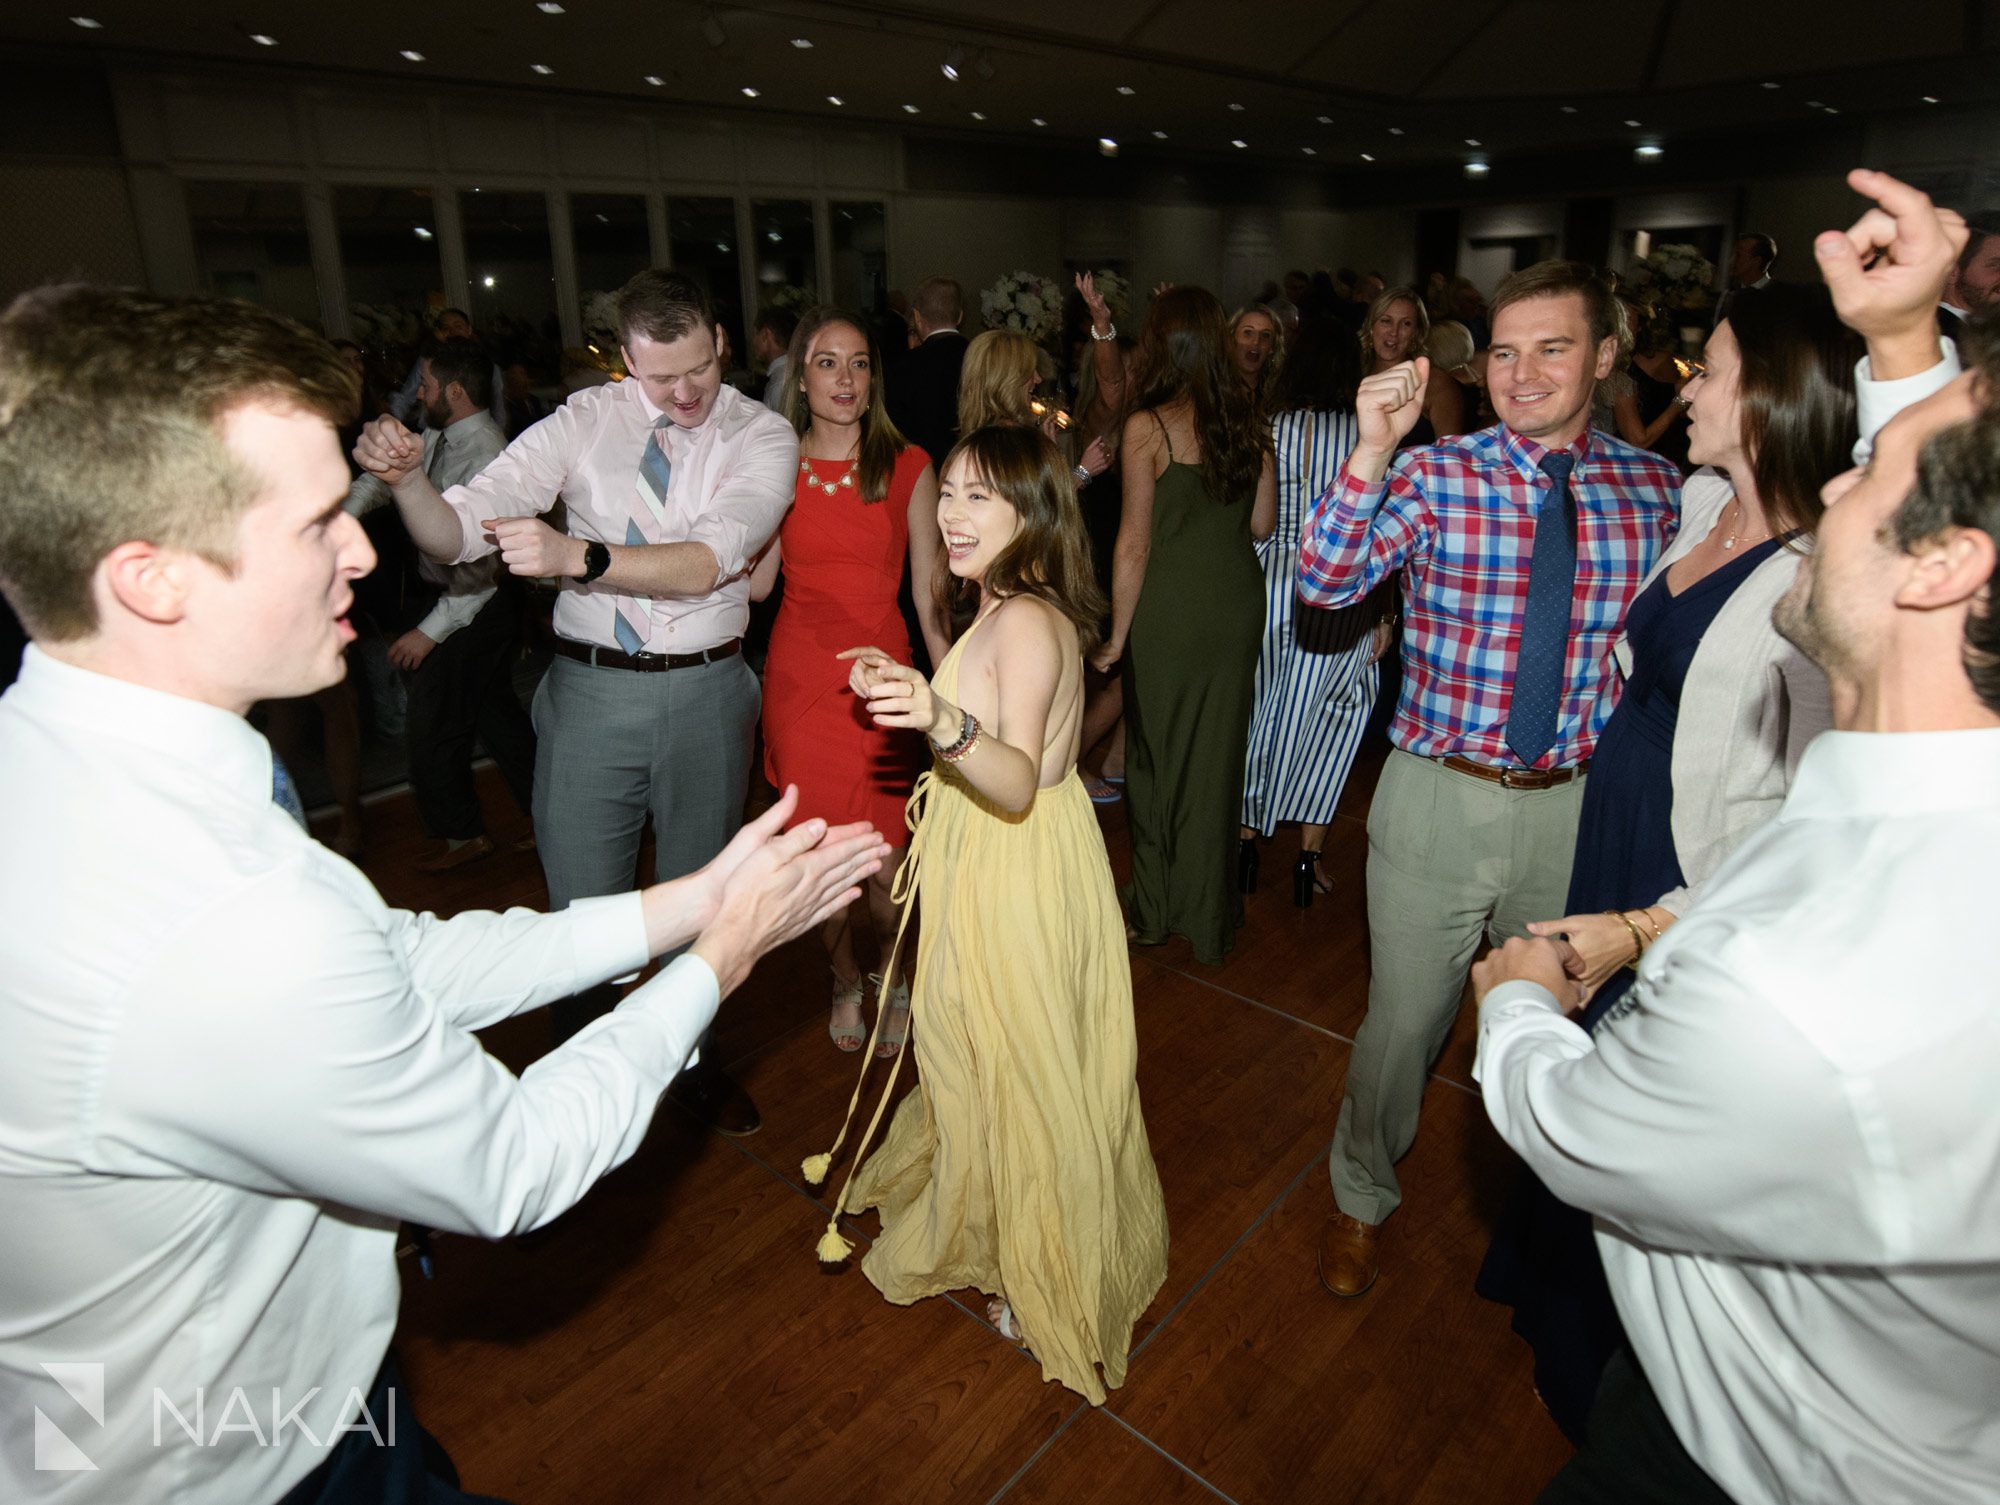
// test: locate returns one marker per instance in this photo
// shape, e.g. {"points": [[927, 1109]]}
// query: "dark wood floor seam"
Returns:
{"points": [[1191, 1473], [1272, 1008], [1036, 1456], [1227, 1254]]}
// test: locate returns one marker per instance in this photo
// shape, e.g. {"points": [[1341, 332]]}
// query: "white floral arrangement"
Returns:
{"points": [[1674, 276], [1025, 303]]}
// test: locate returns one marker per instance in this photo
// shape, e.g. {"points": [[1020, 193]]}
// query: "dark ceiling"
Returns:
{"points": [[1360, 85]]}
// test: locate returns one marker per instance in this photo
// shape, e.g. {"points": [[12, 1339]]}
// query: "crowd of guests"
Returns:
{"points": [[1697, 733]]}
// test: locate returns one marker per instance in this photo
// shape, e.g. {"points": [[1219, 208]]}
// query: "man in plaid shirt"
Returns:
{"points": [[1521, 548]]}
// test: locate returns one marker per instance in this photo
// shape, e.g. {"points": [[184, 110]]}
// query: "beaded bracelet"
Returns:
{"points": [[968, 735]]}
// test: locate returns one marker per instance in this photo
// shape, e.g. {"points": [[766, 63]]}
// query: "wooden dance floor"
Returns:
{"points": [[673, 1340]]}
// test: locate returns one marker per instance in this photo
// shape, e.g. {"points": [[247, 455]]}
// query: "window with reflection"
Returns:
{"points": [[510, 265], [785, 256], [860, 255], [388, 250], [250, 242], [612, 243], [701, 234]]}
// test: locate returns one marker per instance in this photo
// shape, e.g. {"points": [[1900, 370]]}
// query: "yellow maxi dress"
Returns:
{"points": [[1020, 1166]]}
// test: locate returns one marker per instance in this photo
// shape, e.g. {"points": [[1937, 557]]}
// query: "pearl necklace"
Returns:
{"points": [[831, 488], [1730, 542]]}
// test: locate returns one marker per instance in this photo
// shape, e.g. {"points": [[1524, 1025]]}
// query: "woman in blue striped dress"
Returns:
{"points": [[1317, 670]]}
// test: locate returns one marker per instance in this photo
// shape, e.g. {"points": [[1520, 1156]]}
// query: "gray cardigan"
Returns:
{"points": [[1750, 705]]}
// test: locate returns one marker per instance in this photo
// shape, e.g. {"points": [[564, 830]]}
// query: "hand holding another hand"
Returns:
{"points": [[387, 450], [1528, 959]]}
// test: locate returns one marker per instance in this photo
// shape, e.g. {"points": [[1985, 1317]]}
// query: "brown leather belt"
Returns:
{"points": [[645, 663], [1516, 778]]}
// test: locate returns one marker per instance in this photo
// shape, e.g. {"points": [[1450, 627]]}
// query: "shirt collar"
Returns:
{"points": [[467, 424], [717, 418], [218, 745], [1844, 775], [1524, 455]]}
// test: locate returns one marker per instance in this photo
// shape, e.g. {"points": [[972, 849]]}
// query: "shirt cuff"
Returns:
{"points": [[687, 989], [1876, 402], [1510, 1000]]}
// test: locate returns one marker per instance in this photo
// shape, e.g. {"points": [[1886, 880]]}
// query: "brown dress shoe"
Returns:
{"points": [[454, 857], [1348, 1263]]}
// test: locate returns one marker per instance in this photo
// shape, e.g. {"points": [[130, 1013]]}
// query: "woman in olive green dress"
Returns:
{"points": [[1187, 614]]}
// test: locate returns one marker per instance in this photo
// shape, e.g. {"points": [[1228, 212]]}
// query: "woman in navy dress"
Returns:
{"points": [[1772, 422]]}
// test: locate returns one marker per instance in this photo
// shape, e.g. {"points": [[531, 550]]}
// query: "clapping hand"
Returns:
{"points": [[387, 450], [1887, 270], [896, 694], [1389, 403]]}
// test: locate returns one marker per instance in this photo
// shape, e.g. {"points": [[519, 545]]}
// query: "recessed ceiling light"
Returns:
{"points": [[1770, 85], [1367, 156], [263, 41], [1235, 106], [422, 233], [1325, 119], [835, 100], [1309, 151], [1569, 109], [489, 281], [87, 23], [1106, 147], [548, 7], [978, 114], [1930, 99], [1632, 125], [1038, 121], [954, 60], [1238, 143], [1127, 90], [773, 236], [1472, 141], [1395, 130], [1159, 135], [1476, 169], [750, 93], [604, 219], [722, 246], [1814, 104], [412, 55], [910, 109], [804, 44], [655, 80], [542, 68], [1646, 153], [1831, 110]]}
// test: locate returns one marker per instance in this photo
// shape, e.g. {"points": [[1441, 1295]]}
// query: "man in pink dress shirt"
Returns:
{"points": [[672, 483]]}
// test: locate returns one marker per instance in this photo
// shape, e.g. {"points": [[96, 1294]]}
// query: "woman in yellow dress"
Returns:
{"points": [[1020, 1166]]}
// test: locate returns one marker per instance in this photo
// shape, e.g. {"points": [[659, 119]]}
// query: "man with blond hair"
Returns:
{"points": [[230, 1069]]}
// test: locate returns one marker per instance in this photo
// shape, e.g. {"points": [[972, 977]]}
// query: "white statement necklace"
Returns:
{"points": [[831, 488]]}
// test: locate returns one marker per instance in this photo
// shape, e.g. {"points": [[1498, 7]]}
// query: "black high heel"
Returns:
{"points": [[1246, 864], [1305, 879]]}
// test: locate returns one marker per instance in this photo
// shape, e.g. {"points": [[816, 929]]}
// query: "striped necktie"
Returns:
{"points": [[284, 793], [633, 623], [1542, 662]]}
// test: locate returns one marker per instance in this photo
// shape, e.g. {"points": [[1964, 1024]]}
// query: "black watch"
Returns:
{"points": [[596, 560]]}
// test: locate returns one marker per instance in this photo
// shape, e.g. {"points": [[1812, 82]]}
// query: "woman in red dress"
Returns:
{"points": [[865, 512]]}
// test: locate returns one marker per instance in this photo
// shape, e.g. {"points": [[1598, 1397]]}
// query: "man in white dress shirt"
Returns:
{"points": [[229, 1069], [673, 483], [460, 656], [1786, 1133]]}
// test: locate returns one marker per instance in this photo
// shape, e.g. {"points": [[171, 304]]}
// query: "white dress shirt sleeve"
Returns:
{"points": [[332, 1057], [1696, 1121], [751, 499], [524, 481], [454, 612], [1876, 402]]}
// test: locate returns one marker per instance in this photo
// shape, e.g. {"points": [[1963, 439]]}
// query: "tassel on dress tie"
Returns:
{"points": [[833, 1248]]}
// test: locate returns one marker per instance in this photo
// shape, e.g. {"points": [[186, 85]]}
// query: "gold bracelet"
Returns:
{"points": [[1638, 940], [1646, 919]]}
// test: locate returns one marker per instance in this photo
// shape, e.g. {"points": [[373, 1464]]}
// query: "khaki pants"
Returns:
{"points": [[1451, 858]]}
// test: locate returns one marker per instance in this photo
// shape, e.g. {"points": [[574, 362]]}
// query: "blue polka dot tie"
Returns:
{"points": [[284, 793], [1540, 665]]}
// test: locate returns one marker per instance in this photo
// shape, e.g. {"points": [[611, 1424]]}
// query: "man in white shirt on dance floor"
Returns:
{"points": [[1786, 1134], [229, 1068]]}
